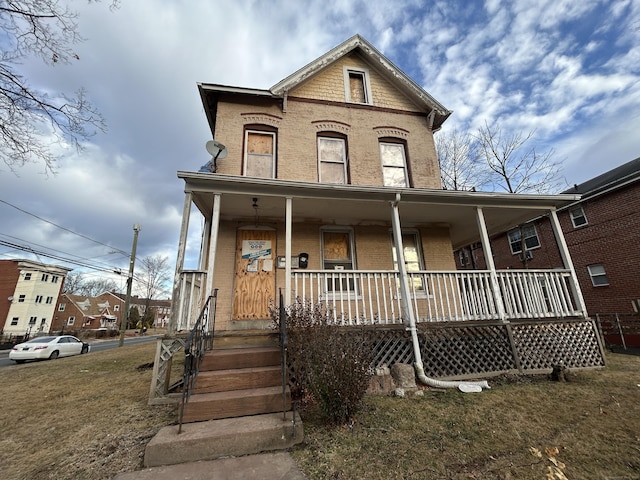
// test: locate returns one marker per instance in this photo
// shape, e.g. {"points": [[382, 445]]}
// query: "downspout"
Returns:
{"points": [[408, 312]]}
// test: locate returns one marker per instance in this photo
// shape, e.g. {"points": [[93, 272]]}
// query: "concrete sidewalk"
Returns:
{"points": [[274, 466]]}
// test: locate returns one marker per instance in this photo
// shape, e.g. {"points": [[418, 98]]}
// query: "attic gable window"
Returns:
{"points": [[357, 88]]}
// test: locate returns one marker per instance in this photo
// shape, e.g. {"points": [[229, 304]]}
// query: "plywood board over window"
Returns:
{"points": [[259, 154]]}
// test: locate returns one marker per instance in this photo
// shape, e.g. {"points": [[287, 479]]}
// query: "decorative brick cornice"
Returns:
{"points": [[332, 126], [261, 118], [391, 132]]}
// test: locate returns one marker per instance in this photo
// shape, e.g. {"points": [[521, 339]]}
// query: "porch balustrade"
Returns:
{"points": [[373, 297]]}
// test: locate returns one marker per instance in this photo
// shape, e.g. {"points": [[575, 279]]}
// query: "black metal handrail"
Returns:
{"points": [[199, 341]]}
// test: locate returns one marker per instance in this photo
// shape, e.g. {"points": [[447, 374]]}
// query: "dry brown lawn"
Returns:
{"points": [[87, 417]]}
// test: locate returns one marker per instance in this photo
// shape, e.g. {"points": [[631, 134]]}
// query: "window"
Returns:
{"points": [[70, 320], [116, 308], [530, 239], [259, 158], [49, 300], [38, 298], [54, 278], [578, 217], [27, 276], [356, 85], [394, 165], [598, 275], [32, 321], [412, 258], [21, 298], [14, 321], [332, 160], [45, 277], [61, 307], [337, 254]]}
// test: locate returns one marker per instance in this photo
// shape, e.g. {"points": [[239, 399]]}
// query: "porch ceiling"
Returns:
{"points": [[365, 205]]}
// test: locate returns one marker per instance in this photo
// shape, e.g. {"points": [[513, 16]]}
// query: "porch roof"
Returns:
{"points": [[367, 205]]}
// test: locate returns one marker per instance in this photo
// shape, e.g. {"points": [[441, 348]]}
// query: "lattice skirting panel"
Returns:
{"points": [[472, 350]]}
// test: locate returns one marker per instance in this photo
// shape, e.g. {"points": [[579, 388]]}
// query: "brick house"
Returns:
{"points": [[79, 312], [600, 230], [326, 187], [28, 294]]}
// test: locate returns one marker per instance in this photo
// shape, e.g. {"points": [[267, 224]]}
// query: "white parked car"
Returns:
{"points": [[43, 348]]}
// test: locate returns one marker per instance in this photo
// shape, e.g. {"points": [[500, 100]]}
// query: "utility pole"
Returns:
{"points": [[125, 319]]}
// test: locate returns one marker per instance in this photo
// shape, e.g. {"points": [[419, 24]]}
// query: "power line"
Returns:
{"points": [[64, 228]]}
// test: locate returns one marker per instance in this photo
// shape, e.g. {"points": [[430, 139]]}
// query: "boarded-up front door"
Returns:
{"points": [[255, 282]]}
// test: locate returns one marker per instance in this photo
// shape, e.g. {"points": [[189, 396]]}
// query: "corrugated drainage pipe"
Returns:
{"points": [[432, 382]]}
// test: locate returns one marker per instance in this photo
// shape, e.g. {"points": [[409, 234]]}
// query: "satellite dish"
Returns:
{"points": [[216, 149]]}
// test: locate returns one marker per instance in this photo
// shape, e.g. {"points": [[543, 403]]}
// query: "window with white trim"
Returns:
{"points": [[337, 254], [22, 298], [259, 154], [332, 160], [71, 320], [598, 275], [531, 240], [27, 276], [116, 308], [61, 307], [412, 258], [394, 165], [578, 218], [357, 87]]}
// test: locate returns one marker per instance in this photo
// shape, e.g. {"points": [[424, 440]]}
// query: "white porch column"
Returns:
{"points": [[182, 246], [488, 255], [287, 251], [204, 245], [213, 243], [568, 263], [405, 292]]}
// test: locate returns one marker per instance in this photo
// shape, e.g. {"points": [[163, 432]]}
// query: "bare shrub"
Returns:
{"points": [[327, 360]]}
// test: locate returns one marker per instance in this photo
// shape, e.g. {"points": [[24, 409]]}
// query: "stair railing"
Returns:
{"points": [[200, 341], [283, 354]]}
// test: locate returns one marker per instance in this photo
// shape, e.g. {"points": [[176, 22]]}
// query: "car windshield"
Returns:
{"points": [[41, 340]]}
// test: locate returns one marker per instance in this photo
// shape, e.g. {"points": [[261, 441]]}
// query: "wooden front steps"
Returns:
{"points": [[234, 382]]}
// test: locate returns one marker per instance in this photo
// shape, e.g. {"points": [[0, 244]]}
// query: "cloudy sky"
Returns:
{"points": [[568, 69]]}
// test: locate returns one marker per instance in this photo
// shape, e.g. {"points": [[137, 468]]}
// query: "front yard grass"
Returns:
{"points": [[87, 417]]}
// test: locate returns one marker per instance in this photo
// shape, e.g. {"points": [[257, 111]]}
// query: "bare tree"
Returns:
{"points": [[153, 276], [460, 163], [77, 284], [31, 120], [516, 166]]}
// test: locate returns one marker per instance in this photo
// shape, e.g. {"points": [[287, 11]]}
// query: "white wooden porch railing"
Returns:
{"points": [[373, 297], [364, 297]]}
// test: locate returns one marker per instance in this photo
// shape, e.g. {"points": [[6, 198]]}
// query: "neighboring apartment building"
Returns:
{"points": [[330, 173], [601, 230], [28, 294]]}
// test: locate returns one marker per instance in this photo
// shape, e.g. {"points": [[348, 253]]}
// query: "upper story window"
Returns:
{"points": [[578, 218], [116, 308], [332, 160], [531, 240], [27, 276], [357, 88], [61, 307], [598, 275], [38, 298], [54, 278], [45, 277], [394, 165], [49, 300], [259, 154], [21, 298]]}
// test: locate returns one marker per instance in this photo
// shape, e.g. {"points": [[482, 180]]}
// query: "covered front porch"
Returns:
{"points": [[377, 296]]}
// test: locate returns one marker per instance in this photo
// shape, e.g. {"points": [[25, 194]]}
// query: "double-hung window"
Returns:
{"points": [[259, 155], [530, 239], [578, 218], [394, 165], [598, 275], [332, 160], [337, 255]]}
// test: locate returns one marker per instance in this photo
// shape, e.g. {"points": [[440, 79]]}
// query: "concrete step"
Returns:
{"points": [[223, 438], [238, 379], [236, 403], [249, 357]]}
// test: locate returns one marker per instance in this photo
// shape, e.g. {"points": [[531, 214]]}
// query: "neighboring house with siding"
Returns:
{"points": [[29, 292]]}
